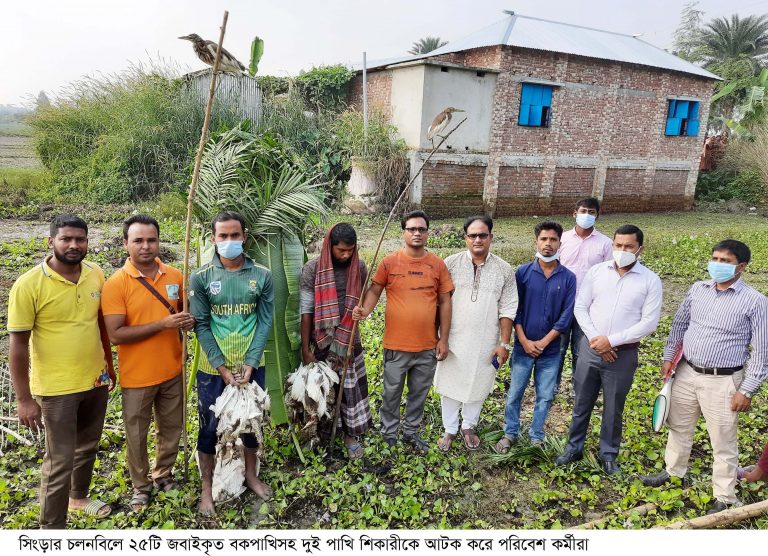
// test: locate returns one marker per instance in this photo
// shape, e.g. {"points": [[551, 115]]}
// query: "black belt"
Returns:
{"points": [[625, 347], [724, 371]]}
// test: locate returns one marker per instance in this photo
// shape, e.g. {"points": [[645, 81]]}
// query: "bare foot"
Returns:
{"points": [[206, 506], [258, 486]]}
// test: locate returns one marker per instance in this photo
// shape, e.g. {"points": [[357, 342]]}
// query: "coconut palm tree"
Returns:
{"points": [[251, 173], [728, 40], [427, 44]]}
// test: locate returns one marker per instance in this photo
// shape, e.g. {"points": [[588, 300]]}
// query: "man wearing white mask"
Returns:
{"points": [[581, 248], [716, 324], [618, 304], [546, 294], [232, 301]]}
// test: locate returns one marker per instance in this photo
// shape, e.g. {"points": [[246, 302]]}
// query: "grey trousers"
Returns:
{"points": [[418, 369], [615, 379]]}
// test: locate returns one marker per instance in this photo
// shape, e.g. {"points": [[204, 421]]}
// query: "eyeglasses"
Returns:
{"points": [[478, 236], [414, 230]]}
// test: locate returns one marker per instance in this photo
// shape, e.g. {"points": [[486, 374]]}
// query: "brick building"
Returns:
{"points": [[555, 113]]}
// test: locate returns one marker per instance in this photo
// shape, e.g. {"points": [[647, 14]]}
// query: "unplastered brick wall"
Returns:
{"points": [[452, 189], [379, 92], [570, 185]]}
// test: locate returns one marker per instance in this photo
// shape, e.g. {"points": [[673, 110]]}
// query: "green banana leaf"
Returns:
{"points": [[257, 51], [283, 254]]}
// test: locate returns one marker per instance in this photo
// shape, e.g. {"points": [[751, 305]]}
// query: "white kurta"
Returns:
{"points": [[479, 301]]}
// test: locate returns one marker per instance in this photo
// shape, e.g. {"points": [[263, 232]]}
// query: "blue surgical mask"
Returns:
{"points": [[548, 259], [721, 272], [585, 221], [230, 249]]}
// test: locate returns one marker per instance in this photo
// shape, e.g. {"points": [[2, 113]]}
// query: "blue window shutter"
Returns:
{"points": [[671, 110], [681, 111], [673, 126], [693, 111], [535, 117], [692, 129], [529, 94], [525, 110], [546, 95]]}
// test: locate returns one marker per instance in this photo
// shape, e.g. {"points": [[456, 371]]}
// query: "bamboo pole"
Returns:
{"points": [[639, 510], [371, 268], [726, 517], [188, 234]]}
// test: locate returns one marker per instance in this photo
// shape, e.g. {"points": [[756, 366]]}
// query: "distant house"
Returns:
{"points": [[238, 93], [556, 112]]}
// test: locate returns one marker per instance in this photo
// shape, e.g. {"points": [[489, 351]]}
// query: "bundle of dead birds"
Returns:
{"points": [[240, 410], [310, 395]]}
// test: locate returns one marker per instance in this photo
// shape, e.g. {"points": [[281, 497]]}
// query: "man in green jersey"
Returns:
{"points": [[232, 301]]}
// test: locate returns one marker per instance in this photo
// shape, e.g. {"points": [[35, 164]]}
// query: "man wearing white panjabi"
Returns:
{"points": [[484, 307]]}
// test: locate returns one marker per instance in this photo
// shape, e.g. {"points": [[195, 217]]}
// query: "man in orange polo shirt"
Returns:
{"points": [[417, 284], [142, 309]]}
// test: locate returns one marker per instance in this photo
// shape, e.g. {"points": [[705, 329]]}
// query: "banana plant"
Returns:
{"points": [[257, 51], [251, 173]]}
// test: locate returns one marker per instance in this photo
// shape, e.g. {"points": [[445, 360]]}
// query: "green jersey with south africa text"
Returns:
{"points": [[233, 313]]}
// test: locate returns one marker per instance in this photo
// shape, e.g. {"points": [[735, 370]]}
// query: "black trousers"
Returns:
{"points": [[615, 379]]}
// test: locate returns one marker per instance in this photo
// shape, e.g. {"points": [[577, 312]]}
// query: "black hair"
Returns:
{"points": [[736, 248], [414, 214], [343, 233], [226, 216], [589, 203], [548, 226], [629, 229], [140, 219], [484, 218], [66, 220]]}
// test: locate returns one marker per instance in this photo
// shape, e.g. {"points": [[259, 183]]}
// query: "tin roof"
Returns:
{"points": [[541, 34]]}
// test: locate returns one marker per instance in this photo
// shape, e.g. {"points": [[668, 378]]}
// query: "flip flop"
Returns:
{"points": [[94, 508], [139, 501], [166, 483], [504, 445], [355, 450], [470, 436], [444, 442]]}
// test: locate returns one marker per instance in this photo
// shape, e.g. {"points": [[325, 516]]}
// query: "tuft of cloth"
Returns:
{"points": [[240, 410]]}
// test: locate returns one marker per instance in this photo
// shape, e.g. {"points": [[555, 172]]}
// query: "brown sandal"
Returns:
{"points": [[504, 445], [471, 440], [444, 442]]}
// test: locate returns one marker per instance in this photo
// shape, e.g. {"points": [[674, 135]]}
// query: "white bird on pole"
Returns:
{"points": [[206, 51], [440, 122]]}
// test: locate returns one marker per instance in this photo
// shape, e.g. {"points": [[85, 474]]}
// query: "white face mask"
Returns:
{"points": [[548, 259], [585, 221], [624, 258]]}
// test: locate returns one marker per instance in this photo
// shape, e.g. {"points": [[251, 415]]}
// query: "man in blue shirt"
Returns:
{"points": [[546, 292]]}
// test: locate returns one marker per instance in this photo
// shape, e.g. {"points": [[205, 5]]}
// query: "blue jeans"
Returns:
{"points": [[210, 387], [544, 369]]}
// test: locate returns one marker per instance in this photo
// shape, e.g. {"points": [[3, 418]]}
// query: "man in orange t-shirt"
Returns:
{"points": [[142, 308], [418, 284]]}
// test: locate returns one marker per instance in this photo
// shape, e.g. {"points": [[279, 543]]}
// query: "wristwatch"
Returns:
{"points": [[747, 395], [508, 347]]}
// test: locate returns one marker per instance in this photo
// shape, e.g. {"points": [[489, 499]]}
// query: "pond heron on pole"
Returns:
{"points": [[440, 122], [206, 51]]}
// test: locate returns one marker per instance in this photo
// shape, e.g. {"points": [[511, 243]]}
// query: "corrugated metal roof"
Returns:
{"points": [[553, 36]]}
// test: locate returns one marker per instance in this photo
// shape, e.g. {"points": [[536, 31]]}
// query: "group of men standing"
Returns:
{"points": [[448, 323]]}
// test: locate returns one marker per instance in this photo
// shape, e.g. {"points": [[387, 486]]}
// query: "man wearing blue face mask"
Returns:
{"points": [[232, 301], [581, 248], [546, 294], [714, 327]]}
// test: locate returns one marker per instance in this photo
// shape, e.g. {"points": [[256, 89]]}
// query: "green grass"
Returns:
{"points": [[392, 487]]}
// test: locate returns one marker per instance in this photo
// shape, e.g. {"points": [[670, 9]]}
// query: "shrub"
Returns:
{"points": [[325, 88], [725, 185], [121, 137]]}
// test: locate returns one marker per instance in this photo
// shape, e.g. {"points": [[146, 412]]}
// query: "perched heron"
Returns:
{"points": [[206, 51], [440, 122]]}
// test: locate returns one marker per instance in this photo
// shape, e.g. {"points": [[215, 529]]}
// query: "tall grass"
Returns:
{"points": [[122, 137]]}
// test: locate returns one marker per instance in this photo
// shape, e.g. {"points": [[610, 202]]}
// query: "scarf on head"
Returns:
{"points": [[333, 329]]}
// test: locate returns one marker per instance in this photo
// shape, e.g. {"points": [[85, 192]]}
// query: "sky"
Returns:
{"points": [[56, 42]]}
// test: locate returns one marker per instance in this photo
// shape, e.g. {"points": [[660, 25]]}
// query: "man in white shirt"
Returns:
{"points": [[619, 303], [581, 248]]}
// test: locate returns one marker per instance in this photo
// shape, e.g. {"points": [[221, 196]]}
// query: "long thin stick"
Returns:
{"points": [[188, 233], [21, 439], [726, 517], [350, 346]]}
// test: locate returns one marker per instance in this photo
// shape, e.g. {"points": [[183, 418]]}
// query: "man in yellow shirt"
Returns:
{"points": [[61, 367], [142, 306]]}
